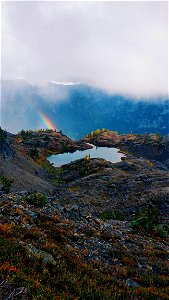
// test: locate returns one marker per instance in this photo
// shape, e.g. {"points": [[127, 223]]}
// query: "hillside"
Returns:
{"points": [[20, 152], [91, 229]]}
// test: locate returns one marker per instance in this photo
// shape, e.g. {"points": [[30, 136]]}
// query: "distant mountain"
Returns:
{"points": [[77, 109]]}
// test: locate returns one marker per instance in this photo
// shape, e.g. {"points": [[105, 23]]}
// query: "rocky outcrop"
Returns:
{"points": [[151, 146], [48, 141], [6, 151]]}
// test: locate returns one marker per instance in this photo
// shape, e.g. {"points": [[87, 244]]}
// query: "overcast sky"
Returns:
{"points": [[119, 46]]}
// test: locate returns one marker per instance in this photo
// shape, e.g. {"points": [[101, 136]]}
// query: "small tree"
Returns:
{"points": [[34, 153], [37, 199], [148, 222], [6, 183], [87, 157]]}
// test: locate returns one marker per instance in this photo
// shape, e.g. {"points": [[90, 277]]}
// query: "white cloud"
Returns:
{"points": [[119, 46], [64, 83]]}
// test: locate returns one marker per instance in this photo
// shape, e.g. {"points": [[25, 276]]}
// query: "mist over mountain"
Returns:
{"points": [[77, 109]]}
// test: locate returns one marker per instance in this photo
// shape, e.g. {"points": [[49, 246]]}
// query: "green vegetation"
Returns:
{"points": [[57, 176], [82, 166], [158, 134], [97, 132], [24, 134], [111, 215], [37, 199], [148, 222], [6, 183], [87, 157], [45, 130], [34, 153], [54, 173]]}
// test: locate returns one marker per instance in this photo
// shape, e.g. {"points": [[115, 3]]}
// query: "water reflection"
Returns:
{"points": [[109, 154]]}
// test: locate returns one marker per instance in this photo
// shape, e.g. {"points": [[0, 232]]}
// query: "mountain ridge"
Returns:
{"points": [[79, 109]]}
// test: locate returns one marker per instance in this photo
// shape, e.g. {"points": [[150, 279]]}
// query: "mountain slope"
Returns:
{"points": [[100, 233], [79, 109]]}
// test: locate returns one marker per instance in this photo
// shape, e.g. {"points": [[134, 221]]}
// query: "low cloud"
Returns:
{"points": [[118, 46]]}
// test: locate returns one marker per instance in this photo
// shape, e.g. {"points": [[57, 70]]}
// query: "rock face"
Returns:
{"points": [[5, 149]]}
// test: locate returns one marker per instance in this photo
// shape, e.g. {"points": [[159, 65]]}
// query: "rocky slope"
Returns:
{"points": [[98, 231], [19, 153]]}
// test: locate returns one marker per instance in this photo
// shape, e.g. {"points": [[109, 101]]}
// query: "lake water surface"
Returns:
{"points": [[109, 154]]}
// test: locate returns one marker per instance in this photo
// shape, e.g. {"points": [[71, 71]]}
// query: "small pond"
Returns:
{"points": [[110, 154]]}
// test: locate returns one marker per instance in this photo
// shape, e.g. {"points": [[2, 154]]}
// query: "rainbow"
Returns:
{"points": [[47, 121]]}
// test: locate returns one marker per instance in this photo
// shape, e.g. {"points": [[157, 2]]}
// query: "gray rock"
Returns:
{"points": [[45, 256], [23, 193], [131, 283]]}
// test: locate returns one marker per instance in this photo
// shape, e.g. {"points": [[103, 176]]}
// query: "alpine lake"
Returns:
{"points": [[110, 154]]}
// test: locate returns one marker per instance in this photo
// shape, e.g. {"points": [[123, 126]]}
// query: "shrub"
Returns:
{"points": [[6, 183], [37, 199], [5, 229], [111, 215], [25, 133], [97, 132], [34, 153], [148, 222], [161, 230], [87, 157]]}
